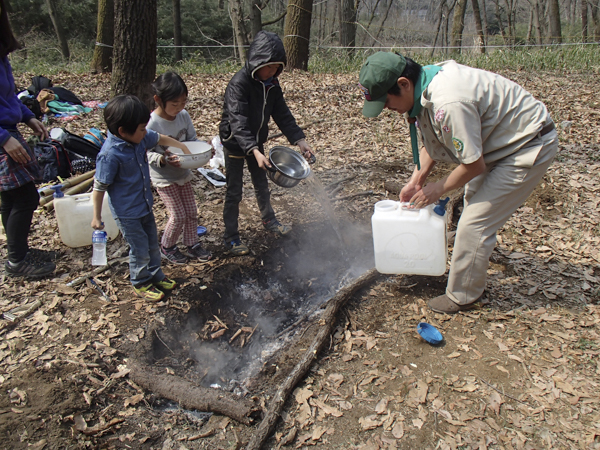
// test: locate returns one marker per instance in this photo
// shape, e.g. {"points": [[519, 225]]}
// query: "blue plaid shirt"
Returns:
{"points": [[123, 167]]}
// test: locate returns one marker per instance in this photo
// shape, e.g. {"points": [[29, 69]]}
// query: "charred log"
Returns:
{"points": [[191, 396]]}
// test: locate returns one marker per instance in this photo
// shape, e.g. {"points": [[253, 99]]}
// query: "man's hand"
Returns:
{"points": [[16, 151], [408, 191], [431, 193]]}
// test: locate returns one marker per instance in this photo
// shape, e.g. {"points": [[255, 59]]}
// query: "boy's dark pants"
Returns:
{"points": [[234, 167]]}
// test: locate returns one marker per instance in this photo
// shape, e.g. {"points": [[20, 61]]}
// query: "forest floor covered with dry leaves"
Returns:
{"points": [[521, 372]]}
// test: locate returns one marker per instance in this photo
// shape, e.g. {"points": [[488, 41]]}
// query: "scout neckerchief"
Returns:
{"points": [[423, 81]]}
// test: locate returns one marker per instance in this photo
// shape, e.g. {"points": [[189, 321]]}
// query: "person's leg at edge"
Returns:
{"points": [[234, 173], [17, 208], [489, 203]]}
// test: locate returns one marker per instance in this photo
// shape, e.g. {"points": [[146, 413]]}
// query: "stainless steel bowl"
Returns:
{"points": [[288, 167]]}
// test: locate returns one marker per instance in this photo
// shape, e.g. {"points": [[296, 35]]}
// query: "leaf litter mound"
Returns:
{"points": [[520, 373]]}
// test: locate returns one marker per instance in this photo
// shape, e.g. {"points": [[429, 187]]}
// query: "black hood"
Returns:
{"points": [[266, 48]]}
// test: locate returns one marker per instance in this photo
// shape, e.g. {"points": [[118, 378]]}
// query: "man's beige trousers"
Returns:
{"points": [[490, 199]]}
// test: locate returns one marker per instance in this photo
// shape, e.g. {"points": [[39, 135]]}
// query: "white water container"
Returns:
{"points": [[409, 241], [74, 216]]}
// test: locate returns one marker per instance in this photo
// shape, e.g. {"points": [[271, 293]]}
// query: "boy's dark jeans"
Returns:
{"points": [[234, 167], [17, 210]]}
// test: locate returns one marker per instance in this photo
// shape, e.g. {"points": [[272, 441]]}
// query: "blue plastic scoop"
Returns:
{"points": [[429, 333]]}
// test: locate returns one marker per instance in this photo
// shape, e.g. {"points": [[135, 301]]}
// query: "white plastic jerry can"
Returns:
{"points": [[74, 216], [410, 241]]}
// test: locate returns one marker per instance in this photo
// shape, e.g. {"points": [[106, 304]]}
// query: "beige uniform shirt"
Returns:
{"points": [[469, 112]]}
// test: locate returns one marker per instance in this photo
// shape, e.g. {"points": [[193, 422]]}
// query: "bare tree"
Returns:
{"points": [[102, 59], [134, 56], [596, 19], [297, 33], [239, 28], [177, 29], [60, 34], [348, 11], [584, 20], [458, 25], [478, 26], [554, 21]]}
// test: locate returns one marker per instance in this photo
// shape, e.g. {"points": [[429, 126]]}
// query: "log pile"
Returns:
{"points": [[70, 186]]}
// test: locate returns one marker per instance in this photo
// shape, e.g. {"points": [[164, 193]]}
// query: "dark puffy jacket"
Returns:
{"points": [[249, 105]]}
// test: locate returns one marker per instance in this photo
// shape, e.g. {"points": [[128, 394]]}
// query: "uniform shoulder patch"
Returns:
{"points": [[458, 144]]}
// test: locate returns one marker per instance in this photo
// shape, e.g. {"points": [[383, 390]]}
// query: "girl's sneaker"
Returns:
{"points": [[149, 292], [166, 284], [173, 255], [198, 252], [30, 268]]}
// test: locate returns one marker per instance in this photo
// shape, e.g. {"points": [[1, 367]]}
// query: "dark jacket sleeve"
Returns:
{"points": [[239, 109], [285, 120]]}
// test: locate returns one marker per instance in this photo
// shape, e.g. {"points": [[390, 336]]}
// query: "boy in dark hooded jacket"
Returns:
{"points": [[252, 97]]}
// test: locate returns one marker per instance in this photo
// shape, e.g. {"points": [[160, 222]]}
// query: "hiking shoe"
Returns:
{"points": [[29, 268], [149, 292], [199, 252], [173, 255], [44, 255], [443, 305], [237, 248], [166, 284], [277, 228]]}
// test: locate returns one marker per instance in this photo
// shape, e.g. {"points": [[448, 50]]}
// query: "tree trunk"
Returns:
{"points": [[584, 21], [60, 35], [297, 33], [239, 29], [478, 26], [596, 20], [177, 29], [486, 28], [438, 27], [385, 16], [371, 17], [102, 59], [458, 25], [554, 20], [134, 56], [500, 22], [537, 23], [255, 17], [348, 9]]}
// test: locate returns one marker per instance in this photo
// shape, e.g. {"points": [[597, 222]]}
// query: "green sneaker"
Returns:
{"points": [[275, 227], [166, 284], [149, 292], [237, 248]]}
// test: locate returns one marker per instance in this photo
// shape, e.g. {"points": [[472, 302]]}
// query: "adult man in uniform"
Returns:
{"points": [[501, 138]]}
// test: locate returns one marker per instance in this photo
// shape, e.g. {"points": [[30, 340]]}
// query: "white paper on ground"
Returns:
{"points": [[205, 173]]}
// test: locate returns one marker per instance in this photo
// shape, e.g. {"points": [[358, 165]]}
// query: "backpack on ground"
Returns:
{"points": [[53, 159], [76, 145]]}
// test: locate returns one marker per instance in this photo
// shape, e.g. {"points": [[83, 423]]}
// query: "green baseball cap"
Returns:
{"points": [[378, 74]]}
